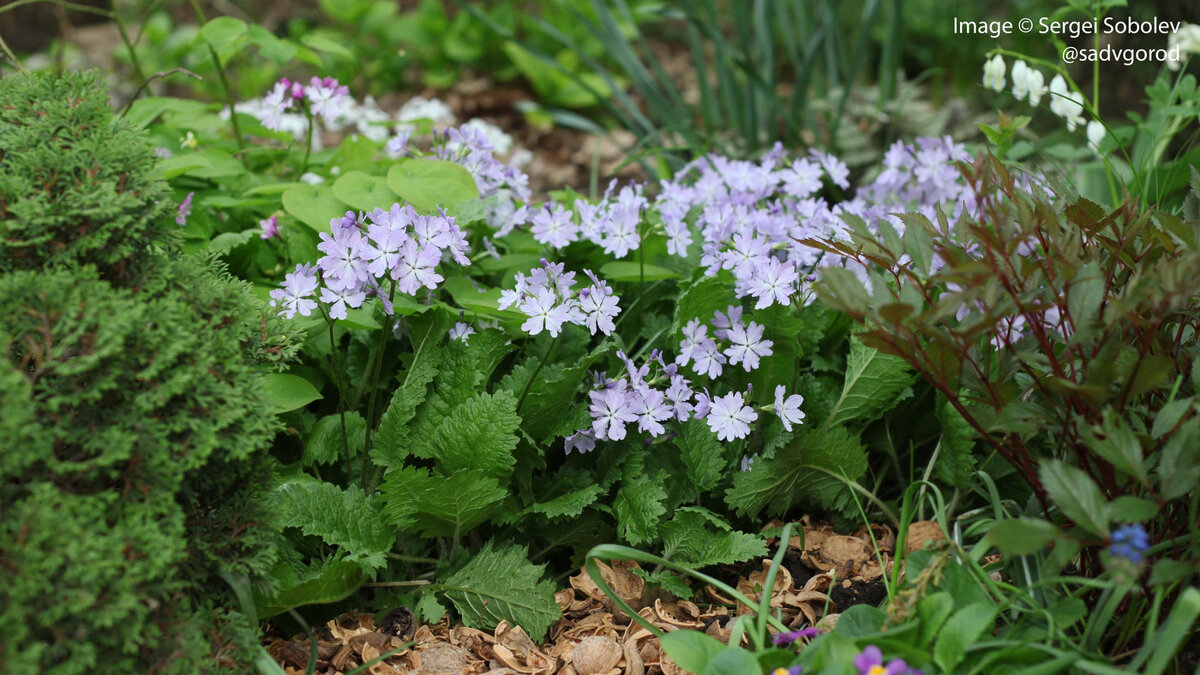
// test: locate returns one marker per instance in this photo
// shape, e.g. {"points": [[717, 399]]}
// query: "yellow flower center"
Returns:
{"points": [[779, 671], [877, 670]]}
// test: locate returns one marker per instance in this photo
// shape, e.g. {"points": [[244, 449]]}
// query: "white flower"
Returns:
{"points": [[1095, 134], [788, 409], [730, 417], [1187, 40], [1035, 82], [993, 73], [1065, 103], [461, 332]]}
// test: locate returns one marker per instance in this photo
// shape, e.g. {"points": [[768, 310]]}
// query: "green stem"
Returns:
{"points": [[341, 385], [133, 57], [233, 122], [387, 329], [532, 377], [308, 147]]}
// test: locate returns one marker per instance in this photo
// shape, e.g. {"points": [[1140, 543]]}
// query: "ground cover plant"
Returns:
{"points": [[308, 366]]}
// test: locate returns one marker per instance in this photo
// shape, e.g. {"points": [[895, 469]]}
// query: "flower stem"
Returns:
{"points": [[308, 143], [364, 478], [341, 385], [533, 376], [233, 122]]}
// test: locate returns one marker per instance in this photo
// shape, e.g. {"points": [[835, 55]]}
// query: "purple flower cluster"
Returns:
{"points": [[791, 637], [547, 296], [746, 344], [470, 147], [1130, 542], [325, 97], [397, 247], [633, 397], [749, 217]]}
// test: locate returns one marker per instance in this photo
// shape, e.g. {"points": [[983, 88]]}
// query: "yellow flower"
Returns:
{"points": [[188, 141]]}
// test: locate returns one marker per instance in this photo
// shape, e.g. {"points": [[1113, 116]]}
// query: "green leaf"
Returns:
{"points": [[806, 470], [1130, 509], [1179, 468], [347, 518], [691, 650], [429, 610], [1022, 536], [1076, 495], [224, 34], [1116, 442], [181, 164], [502, 585], [227, 241], [732, 661], [933, 610], [956, 461], [283, 392], [314, 205], [430, 183], [439, 506], [390, 446], [569, 505], [479, 434], [326, 45], [329, 581], [363, 191], [696, 536], [639, 507], [278, 50], [547, 396], [325, 444], [874, 383], [631, 271], [1170, 415], [703, 455], [700, 300], [961, 631]]}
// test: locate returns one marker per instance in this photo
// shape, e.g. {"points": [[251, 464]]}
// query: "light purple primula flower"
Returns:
{"points": [[730, 417], [274, 104], [184, 210], [611, 410], [748, 346], [599, 306], [788, 408], [416, 267], [773, 283], [461, 332], [583, 441], [327, 99], [293, 298], [545, 313], [270, 228], [340, 297], [553, 226]]}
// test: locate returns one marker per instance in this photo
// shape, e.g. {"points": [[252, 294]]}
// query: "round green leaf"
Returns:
{"points": [[363, 191], [314, 205], [430, 183]]}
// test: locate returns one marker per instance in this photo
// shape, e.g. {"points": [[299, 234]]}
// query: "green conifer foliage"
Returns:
{"points": [[76, 185], [131, 421]]}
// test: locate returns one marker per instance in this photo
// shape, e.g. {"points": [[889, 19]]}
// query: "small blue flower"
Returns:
{"points": [[1130, 542]]}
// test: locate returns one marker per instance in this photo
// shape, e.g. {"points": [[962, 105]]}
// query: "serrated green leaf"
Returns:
{"points": [[874, 383], [439, 506], [296, 586], [569, 505], [699, 301], [639, 508], [390, 447], [429, 183], [502, 585], [805, 470], [429, 610], [346, 518], [696, 536], [547, 396], [1076, 494], [478, 434], [325, 444], [457, 381], [956, 461], [703, 455]]}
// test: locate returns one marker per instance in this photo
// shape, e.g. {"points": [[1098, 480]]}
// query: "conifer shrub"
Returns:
{"points": [[131, 410], [130, 484], [77, 186]]}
